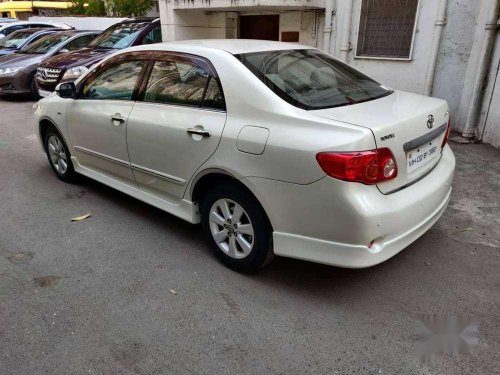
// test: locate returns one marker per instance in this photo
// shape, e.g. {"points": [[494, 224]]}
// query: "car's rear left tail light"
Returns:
{"points": [[447, 134], [367, 167]]}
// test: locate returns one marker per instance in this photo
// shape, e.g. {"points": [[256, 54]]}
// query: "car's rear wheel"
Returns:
{"points": [[59, 156], [237, 228]]}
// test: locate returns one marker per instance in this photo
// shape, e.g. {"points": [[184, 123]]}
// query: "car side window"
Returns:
{"points": [[176, 82], [117, 82], [184, 83], [80, 42], [11, 29], [213, 96], [154, 36], [38, 37]]}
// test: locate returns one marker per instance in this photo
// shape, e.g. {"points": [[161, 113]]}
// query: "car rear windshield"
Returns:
{"points": [[311, 79], [15, 40], [45, 44], [119, 36]]}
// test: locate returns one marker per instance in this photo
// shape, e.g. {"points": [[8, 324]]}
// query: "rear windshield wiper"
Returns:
{"points": [[350, 100]]}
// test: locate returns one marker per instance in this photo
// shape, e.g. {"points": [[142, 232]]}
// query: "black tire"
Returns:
{"points": [[69, 174], [261, 253], [34, 89]]}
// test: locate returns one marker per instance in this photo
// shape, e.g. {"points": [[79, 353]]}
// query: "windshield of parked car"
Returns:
{"points": [[119, 36], [311, 79], [45, 44], [15, 40]]}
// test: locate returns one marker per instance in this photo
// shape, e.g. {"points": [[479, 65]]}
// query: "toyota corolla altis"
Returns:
{"points": [[275, 148]]}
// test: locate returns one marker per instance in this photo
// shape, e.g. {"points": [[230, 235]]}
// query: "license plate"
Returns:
{"points": [[44, 93], [421, 156]]}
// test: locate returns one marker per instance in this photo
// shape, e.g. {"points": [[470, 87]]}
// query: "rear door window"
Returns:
{"points": [[213, 96], [185, 83]]}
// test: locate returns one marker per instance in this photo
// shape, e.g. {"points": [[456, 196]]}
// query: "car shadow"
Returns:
{"points": [[151, 215], [291, 273], [19, 98]]}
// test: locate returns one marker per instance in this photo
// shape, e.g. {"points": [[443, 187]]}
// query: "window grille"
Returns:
{"points": [[386, 28]]}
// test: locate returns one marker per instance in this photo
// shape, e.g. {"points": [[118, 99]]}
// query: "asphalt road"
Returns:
{"points": [[96, 296]]}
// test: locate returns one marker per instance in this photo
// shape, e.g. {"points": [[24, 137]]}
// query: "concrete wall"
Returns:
{"points": [[182, 24], [458, 54], [403, 75], [489, 122], [82, 23], [454, 53], [453, 58], [197, 24], [245, 4]]}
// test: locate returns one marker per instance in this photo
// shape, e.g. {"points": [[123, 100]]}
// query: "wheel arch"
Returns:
{"points": [[44, 124], [208, 178]]}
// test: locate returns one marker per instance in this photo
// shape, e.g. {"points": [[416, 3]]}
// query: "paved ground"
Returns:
{"points": [[94, 296]]}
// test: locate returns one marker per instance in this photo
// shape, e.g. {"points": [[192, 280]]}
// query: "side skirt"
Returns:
{"points": [[185, 209]]}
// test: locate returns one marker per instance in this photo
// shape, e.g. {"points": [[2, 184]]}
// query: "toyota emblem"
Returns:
{"points": [[430, 121]]}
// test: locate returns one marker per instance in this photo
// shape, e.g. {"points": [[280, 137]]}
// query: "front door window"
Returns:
{"points": [[117, 82]]}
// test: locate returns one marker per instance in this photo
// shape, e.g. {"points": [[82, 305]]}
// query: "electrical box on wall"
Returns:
{"points": [[290, 36]]}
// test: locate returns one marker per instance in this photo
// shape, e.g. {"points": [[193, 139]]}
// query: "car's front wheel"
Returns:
{"points": [[237, 228], [59, 156], [34, 89]]}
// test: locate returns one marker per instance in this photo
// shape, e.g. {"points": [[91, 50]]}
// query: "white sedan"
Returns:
{"points": [[275, 148]]}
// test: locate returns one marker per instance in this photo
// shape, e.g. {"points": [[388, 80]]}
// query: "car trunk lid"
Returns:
{"points": [[411, 126]]}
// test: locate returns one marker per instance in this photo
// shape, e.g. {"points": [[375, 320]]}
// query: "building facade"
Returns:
{"points": [[445, 48], [22, 10]]}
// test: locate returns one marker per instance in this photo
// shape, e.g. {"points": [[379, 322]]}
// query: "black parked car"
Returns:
{"points": [[70, 66]]}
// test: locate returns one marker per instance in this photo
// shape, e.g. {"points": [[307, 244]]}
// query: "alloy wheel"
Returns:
{"points": [[231, 228], [57, 154]]}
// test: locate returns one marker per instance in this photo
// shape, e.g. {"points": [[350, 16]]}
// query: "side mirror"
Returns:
{"points": [[63, 50], [66, 90]]}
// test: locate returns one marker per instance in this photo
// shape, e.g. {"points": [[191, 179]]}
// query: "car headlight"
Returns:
{"points": [[9, 70], [74, 73]]}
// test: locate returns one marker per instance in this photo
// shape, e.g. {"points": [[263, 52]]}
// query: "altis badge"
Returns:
{"points": [[388, 136]]}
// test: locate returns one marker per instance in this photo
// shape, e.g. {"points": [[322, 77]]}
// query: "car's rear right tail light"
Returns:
{"points": [[447, 134], [367, 167]]}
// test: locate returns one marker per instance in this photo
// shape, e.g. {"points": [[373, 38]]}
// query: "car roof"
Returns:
{"points": [[30, 23], [37, 30], [140, 20], [233, 46], [75, 32], [10, 24]]}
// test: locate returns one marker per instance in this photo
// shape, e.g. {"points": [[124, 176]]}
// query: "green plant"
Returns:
{"points": [[78, 7], [128, 8], [95, 8]]}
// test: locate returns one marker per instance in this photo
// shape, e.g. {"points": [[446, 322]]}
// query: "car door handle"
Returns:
{"points": [[117, 119], [198, 131]]}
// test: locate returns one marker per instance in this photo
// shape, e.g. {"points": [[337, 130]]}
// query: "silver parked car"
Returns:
{"points": [[18, 70], [275, 148]]}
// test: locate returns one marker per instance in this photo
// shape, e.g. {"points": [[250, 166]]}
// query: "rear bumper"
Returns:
{"points": [[351, 255], [332, 221]]}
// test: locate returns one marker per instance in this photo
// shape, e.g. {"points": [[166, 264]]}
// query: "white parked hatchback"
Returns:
{"points": [[275, 148]]}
